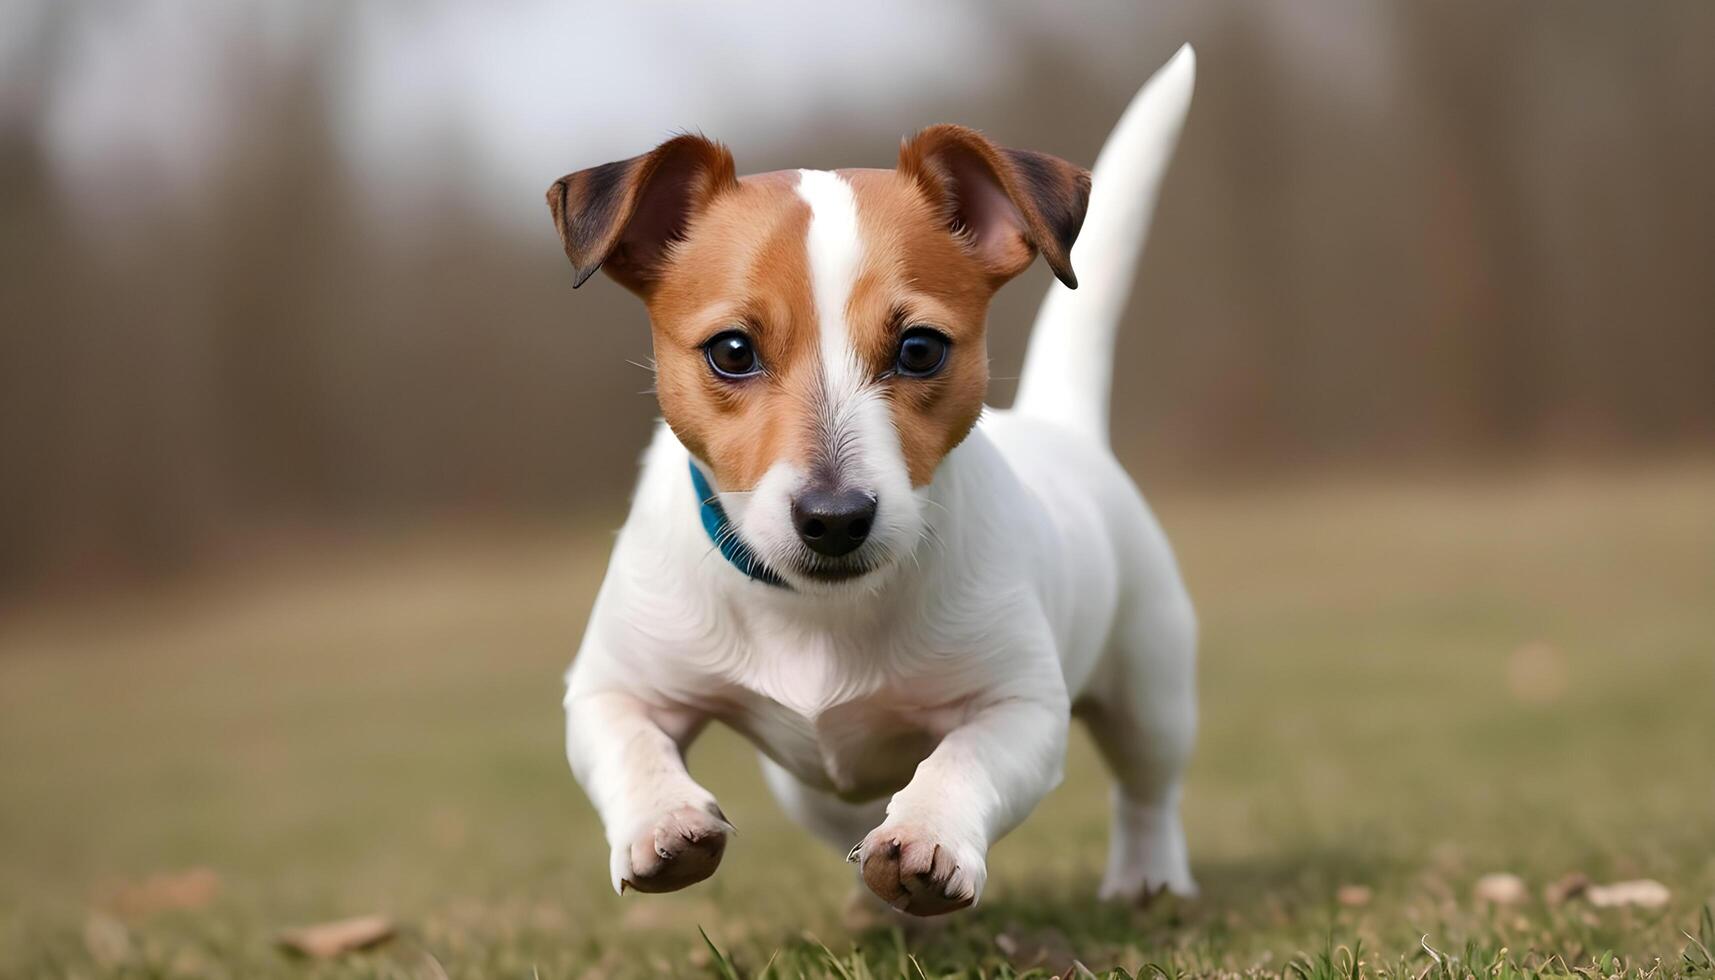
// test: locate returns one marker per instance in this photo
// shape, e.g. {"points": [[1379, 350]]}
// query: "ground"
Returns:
{"points": [[1406, 685]]}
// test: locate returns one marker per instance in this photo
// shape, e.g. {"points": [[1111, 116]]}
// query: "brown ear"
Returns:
{"points": [[624, 215], [1006, 205]]}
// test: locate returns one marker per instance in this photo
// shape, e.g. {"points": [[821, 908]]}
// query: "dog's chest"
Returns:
{"points": [[833, 715], [857, 751]]}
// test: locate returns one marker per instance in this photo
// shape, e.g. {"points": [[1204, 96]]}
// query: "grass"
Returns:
{"points": [[1404, 687]]}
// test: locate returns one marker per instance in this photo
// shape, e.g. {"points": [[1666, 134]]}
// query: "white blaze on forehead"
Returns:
{"points": [[856, 425], [835, 250]]}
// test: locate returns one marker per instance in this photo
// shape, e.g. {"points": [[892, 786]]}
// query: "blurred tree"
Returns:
{"points": [[1451, 231]]}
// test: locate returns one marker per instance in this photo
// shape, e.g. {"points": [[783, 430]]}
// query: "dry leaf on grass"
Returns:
{"points": [[1354, 896], [108, 941], [1501, 889], [1643, 893], [1537, 673], [192, 888], [1570, 886], [330, 939]]}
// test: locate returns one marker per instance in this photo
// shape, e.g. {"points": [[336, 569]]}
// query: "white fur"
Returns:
{"points": [[835, 250], [1026, 581]]}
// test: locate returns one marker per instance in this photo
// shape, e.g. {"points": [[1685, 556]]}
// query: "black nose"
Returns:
{"points": [[833, 522]]}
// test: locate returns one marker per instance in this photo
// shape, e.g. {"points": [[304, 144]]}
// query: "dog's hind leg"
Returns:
{"points": [[1142, 713]]}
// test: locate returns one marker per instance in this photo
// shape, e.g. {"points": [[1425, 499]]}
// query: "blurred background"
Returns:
{"points": [[276, 272], [310, 458]]}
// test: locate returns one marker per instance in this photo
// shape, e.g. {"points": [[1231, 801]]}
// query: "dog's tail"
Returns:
{"points": [[1068, 371]]}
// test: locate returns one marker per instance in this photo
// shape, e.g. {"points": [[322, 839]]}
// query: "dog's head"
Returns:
{"points": [[820, 336]]}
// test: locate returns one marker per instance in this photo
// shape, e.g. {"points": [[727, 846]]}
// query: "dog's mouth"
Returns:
{"points": [[835, 571]]}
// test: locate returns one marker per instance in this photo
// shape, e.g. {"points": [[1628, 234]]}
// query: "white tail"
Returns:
{"points": [[1068, 371]]}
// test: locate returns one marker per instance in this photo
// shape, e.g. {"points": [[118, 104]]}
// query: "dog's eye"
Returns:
{"points": [[922, 352], [731, 355]]}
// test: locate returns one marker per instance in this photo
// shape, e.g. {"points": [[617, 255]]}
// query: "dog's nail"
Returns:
{"points": [[852, 855]]}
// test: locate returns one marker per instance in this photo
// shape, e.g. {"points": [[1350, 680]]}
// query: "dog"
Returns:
{"points": [[899, 596]]}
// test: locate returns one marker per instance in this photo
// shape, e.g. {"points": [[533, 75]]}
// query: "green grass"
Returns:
{"points": [[381, 733]]}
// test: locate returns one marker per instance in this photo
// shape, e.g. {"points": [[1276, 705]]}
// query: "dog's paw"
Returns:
{"points": [[1141, 890], [1143, 881], [677, 848], [1146, 856], [915, 871]]}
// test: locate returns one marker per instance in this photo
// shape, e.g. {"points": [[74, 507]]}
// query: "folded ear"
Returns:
{"points": [[1004, 205], [624, 215]]}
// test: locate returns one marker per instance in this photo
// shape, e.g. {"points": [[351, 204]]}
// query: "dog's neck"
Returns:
{"points": [[725, 537]]}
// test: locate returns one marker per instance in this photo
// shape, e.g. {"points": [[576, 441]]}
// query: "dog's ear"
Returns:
{"points": [[1004, 205], [624, 215]]}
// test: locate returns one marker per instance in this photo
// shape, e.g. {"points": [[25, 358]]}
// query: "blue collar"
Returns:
{"points": [[725, 536]]}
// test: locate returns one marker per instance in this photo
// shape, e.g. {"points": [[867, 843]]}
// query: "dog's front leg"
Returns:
{"points": [[929, 856], [664, 830]]}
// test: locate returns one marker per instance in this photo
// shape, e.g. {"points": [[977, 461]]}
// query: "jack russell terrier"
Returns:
{"points": [[900, 597]]}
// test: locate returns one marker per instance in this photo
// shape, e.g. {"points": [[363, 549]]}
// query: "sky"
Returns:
{"points": [[153, 91], [481, 99]]}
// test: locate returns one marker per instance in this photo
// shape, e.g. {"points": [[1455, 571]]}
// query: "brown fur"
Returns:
{"points": [[709, 253], [741, 266], [1008, 203], [622, 215], [915, 273]]}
